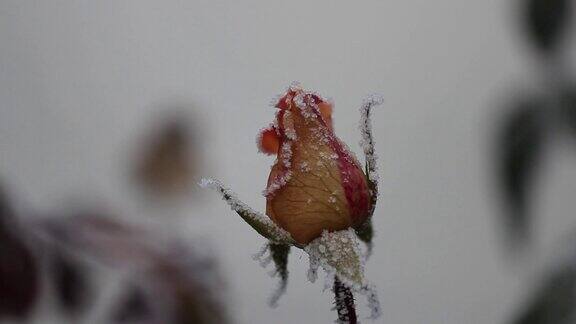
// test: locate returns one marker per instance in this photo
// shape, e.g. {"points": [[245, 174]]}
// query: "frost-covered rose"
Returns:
{"points": [[317, 197], [316, 184]]}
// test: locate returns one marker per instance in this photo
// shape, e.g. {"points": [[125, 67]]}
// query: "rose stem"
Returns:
{"points": [[344, 301]]}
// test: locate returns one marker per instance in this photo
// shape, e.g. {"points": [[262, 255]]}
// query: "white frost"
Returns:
{"points": [[339, 255], [367, 142], [252, 217]]}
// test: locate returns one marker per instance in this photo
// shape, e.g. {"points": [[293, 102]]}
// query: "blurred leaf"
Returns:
{"points": [[19, 282], [134, 308], [554, 302], [569, 109], [519, 146], [546, 20], [166, 167], [70, 282]]}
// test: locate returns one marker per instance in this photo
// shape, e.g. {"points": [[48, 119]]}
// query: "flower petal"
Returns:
{"points": [[305, 193], [268, 141], [316, 184], [325, 109]]}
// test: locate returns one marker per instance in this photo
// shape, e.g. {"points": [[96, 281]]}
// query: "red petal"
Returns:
{"points": [[284, 102], [268, 141]]}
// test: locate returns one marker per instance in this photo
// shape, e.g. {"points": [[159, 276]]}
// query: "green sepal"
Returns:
{"points": [[365, 232]]}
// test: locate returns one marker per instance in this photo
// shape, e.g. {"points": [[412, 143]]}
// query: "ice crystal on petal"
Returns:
{"points": [[274, 101], [261, 223], [285, 157], [295, 86], [286, 154], [278, 183], [304, 167], [288, 125]]}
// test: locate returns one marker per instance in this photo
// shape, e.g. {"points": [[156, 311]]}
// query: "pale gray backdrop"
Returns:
{"points": [[80, 80]]}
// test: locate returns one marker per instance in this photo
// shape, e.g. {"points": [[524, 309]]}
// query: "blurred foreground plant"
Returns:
{"points": [[533, 124], [317, 198]]}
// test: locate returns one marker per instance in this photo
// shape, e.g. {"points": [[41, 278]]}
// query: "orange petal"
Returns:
{"points": [[312, 199], [268, 141], [325, 109]]}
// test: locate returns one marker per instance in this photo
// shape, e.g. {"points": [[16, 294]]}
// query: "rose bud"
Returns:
{"points": [[316, 184], [317, 197]]}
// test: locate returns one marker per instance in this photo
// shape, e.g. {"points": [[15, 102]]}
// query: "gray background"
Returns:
{"points": [[80, 81]]}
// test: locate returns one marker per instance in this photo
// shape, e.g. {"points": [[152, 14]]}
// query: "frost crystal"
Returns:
{"points": [[367, 142], [295, 86], [278, 183], [304, 167], [338, 252], [274, 101], [314, 265], [339, 255], [261, 223], [289, 126], [373, 303], [286, 154]]}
